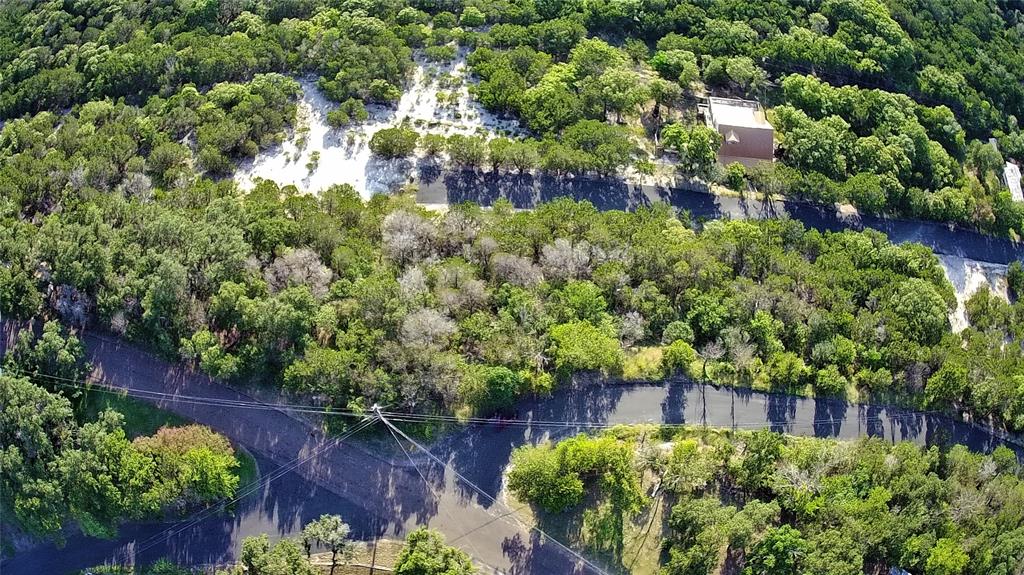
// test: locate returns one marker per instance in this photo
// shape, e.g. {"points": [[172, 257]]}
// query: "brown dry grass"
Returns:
{"points": [[383, 562]]}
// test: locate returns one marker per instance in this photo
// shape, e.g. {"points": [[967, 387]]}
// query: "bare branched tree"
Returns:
{"points": [[413, 283], [562, 260], [136, 185], [457, 231], [299, 267], [711, 351], [72, 305], [426, 328], [634, 328], [408, 237], [516, 270]]}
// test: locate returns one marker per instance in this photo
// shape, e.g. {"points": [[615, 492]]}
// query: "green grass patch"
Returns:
{"points": [[140, 418], [247, 470]]}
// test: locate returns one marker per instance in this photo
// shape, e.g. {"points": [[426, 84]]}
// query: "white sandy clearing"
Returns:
{"points": [[345, 156], [967, 276]]}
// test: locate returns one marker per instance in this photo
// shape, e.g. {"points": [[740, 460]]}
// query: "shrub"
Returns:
{"points": [[397, 142], [678, 358], [579, 346], [472, 17]]}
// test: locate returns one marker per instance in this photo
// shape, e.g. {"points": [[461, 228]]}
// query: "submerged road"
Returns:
{"points": [[528, 191], [381, 498]]}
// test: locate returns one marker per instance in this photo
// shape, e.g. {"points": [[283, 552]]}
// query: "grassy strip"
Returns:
{"points": [[140, 418]]}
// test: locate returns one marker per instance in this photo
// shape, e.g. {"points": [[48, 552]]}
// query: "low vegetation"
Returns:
{"points": [[423, 553], [756, 503], [67, 461]]}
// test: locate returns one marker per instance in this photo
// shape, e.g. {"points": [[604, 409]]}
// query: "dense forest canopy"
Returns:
{"points": [[123, 121], [355, 303], [884, 104], [755, 503]]}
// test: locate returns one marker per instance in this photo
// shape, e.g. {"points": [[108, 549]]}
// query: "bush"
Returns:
{"points": [[645, 365], [830, 382], [397, 142], [472, 17], [337, 118], [678, 358], [579, 346], [384, 92], [735, 176], [349, 111]]}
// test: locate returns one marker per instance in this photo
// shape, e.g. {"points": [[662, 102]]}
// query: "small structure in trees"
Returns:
{"points": [[747, 136], [1011, 177]]}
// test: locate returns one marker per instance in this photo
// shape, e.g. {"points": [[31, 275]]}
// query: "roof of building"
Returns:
{"points": [[739, 113], [1011, 175]]}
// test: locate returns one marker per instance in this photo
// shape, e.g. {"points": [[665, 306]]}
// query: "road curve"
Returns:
{"points": [[382, 499], [528, 191]]}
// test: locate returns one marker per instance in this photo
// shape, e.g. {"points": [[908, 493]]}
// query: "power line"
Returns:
{"points": [[479, 490], [251, 488], [437, 496], [94, 385], [421, 418]]}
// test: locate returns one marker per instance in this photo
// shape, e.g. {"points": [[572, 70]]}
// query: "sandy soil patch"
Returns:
{"points": [[316, 156], [967, 276]]}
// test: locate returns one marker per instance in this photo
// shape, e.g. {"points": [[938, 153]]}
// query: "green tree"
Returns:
{"points": [[472, 17], [735, 176], [259, 557], [426, 554], [947, 385], [331, 532], [677, 65], [696, 146], [537, 476], [467, 151], [829, 381], [919, 311], [778, 553], [946, 558], [396, 142], [678, 357], [35, 426], [761, 452], [54, 353], [579, 346]]}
